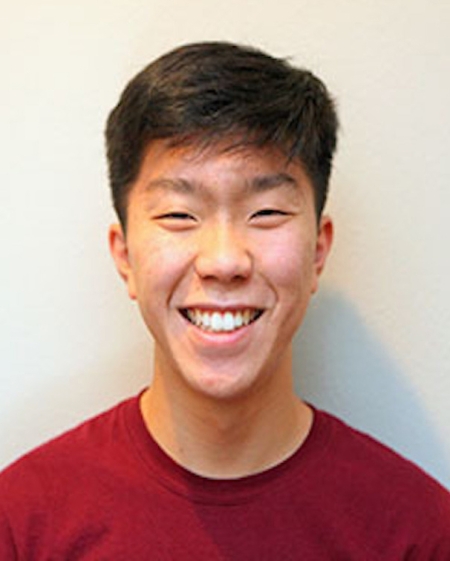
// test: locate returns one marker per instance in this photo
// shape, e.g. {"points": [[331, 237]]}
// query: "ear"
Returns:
{"points": [[119, 251], [323, 246]]}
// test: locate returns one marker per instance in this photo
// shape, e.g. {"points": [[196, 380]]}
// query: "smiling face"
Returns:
{"points": [[222, 252]]}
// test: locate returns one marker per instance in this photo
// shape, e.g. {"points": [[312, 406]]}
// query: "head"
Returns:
{"points": [[206, 92]]}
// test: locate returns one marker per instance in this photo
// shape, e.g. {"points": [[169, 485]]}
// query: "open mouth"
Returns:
{"points": [[221, 322]]}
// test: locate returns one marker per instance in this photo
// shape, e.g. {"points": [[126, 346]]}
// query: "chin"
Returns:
{"points": [[225, 386]]}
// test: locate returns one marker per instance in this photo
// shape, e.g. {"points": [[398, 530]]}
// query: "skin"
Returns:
{"points": [[222, 230]]}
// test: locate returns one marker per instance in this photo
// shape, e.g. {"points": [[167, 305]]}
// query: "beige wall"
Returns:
{"points": [[375, 345]]}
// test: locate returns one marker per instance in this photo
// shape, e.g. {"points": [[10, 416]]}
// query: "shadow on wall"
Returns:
{"points": [[341, 367]]}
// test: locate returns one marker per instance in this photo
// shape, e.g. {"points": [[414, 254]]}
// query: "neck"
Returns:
{"points": [[230, 438]]}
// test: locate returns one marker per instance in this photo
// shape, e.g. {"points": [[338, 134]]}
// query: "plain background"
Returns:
{"points": [[375, 345]]}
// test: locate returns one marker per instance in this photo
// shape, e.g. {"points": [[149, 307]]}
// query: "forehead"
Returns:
{"points": [[194, 167]]}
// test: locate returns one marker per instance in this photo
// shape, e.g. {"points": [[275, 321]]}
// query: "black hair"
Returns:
{"points": [[211, 91]]}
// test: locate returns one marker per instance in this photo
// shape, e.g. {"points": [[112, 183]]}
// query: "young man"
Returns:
{"points": [[219, 160]]}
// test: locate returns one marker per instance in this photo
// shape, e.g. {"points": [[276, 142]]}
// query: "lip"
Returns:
{"points": [[222, 337], [222, 308]]}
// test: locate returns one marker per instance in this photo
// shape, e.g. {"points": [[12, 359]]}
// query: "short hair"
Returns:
{"points": [[210, 91]]}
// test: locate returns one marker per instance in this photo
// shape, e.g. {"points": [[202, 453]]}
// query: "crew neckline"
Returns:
{"points": [[197, 488]]}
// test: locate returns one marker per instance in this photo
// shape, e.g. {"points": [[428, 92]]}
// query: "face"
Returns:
{"points": [[222, 252]]}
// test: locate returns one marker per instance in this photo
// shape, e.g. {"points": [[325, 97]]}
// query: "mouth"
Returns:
{"points": [[221, 321]]}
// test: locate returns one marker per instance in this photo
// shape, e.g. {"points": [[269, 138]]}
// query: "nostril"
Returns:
{"points": [[224, 270], [224, 262]]}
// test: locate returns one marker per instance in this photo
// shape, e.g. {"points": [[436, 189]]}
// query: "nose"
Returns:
{"points": [[223, 254]]}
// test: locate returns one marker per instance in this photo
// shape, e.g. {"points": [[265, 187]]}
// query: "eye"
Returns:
{"points": [[269, 217], [269, 212], [175, 216], [176, 220]]}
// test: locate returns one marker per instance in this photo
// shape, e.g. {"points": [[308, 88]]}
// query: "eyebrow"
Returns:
{"points": [[177, 185], [258, 184], [262, 183]]}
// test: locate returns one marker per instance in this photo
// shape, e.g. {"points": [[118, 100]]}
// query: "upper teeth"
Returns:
{"points": [[221, 321]]}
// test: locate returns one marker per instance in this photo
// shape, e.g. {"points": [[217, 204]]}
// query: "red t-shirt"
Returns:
{"points": [[105, 490]]}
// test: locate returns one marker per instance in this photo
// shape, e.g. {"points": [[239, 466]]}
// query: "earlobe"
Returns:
{"points": [[119, 251], [323, 246]]}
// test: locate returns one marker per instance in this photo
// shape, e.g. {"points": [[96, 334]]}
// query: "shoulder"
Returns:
{"points": [[66, 455], [49, 498], [372, 471], [357, 450]]}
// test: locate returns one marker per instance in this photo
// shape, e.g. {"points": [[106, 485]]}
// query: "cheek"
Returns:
{"points": [[160, 265], [288, 261]]}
